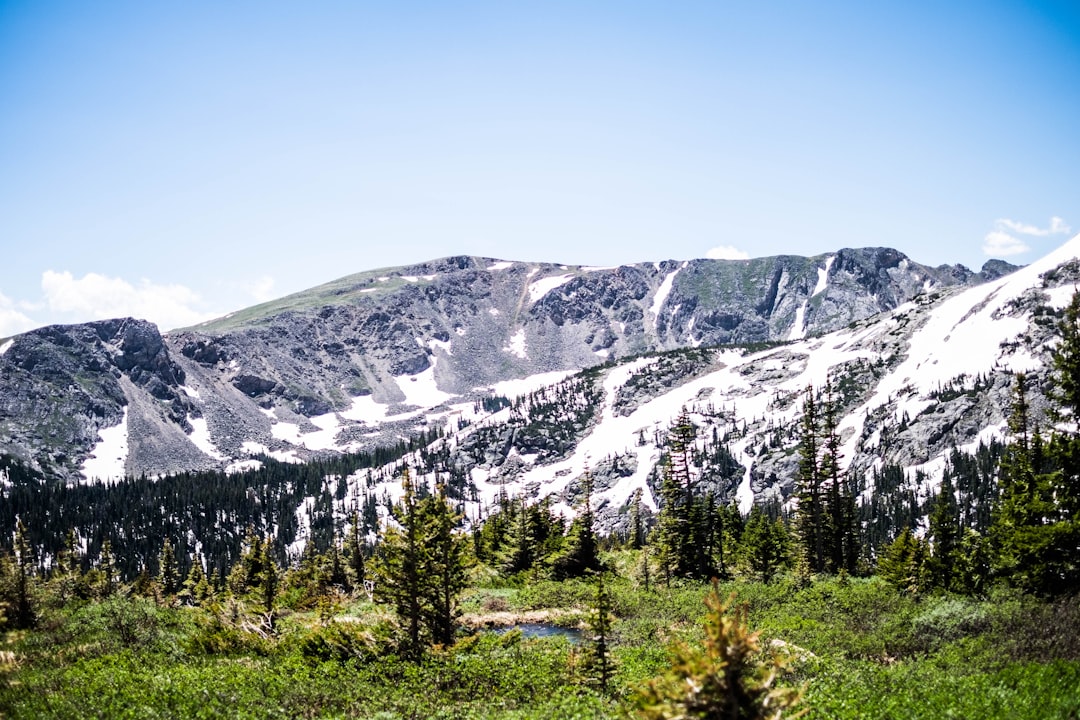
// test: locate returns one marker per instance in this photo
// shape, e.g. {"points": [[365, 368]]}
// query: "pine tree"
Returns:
{"points": [[901, 565], [944, 536], [168, 572], [446, 564], [598, 663], [268, 579], [728, 678], [810, 515], [23, 611], [764, 544], [420, 566], [581, 554], [107, 571]]}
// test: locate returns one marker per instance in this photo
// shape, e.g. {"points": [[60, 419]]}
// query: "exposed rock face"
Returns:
{"points": [[401, 339], [60, 384]]}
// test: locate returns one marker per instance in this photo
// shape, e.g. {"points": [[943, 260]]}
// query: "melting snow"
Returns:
{"points": [[190, 391], [107, 460], [421, 389], [255, 448], [501, 265], [543, 286], [516, 345], [823, 277], [663, 291], [798, 328], [6, 346], [200, 437]]}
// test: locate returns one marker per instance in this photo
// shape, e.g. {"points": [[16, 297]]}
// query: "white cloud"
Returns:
{"points": [[1057, 227], [13, 322], [1002, 240], [97, 297], [1002, 244], [727, 252]]}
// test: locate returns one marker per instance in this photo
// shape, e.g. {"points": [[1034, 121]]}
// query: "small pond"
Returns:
{"points": [[539, 630]]}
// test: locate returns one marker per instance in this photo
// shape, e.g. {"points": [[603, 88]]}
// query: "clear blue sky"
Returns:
{"points": [[178, 160]]}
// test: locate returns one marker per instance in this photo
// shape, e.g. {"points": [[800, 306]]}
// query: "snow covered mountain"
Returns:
{"points": [[915, 383], [373, 357]]}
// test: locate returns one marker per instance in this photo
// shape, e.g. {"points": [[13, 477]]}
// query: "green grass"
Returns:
{"points": [[865, 651]]}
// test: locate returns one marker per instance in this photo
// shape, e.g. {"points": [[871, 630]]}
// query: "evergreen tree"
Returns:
{"points": [[810, 516], [598, 663], [727, 678], [636, 538], [944, 535], [581, 554], [764, 543], [446, 564], [1031, 542], [268, 578], [168, 572], [107, 574], [354, 554], [420, 566], [901, 565], [687, 533], [23, 611]]}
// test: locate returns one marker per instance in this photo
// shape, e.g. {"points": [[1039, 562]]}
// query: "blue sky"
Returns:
{"points": [[177, 161]]}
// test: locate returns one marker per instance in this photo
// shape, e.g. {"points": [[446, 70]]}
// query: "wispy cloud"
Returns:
{"points": [[1002, 241], [97, 297], [727, 252], [12, 322]]}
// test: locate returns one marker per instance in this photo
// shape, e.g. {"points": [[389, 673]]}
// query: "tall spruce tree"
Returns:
{"points": [[944, 535], [811, 518], [168, 570]]}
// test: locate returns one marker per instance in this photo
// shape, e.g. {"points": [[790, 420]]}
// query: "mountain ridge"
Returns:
{"points": [[361, 360]]}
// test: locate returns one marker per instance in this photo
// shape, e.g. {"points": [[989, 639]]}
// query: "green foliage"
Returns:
{"points": [[420, 568], [728, 677], [765, 544]]}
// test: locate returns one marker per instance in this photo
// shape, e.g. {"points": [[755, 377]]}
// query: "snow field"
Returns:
{"points": [[109, 456]]}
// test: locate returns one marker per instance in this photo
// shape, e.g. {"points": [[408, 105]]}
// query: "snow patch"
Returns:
{"points": [[543, 286], [516, 388], [6, 346], [823, 277], [501, 265], [109, 456], [242, 465], [254, 448], [422, 389], [798, 328], [190, 391], [663, 291], [516, 345], [200, 437]]}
